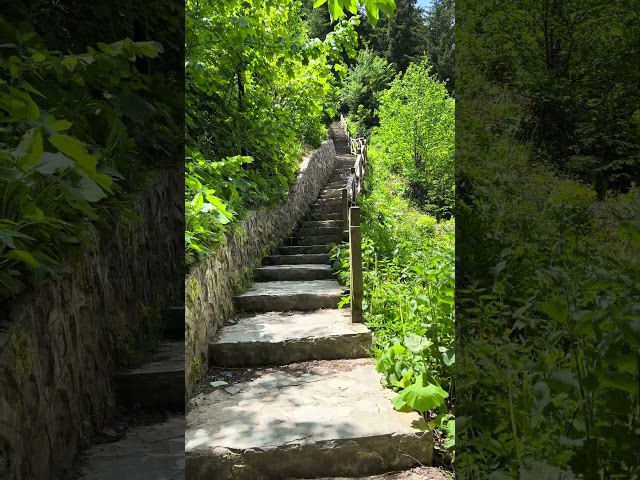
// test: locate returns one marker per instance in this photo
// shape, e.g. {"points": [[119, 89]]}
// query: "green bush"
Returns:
{"points": [[416, 138], [547, 304], [258, 93], [70, 139], [408, 270], [361, 91]]}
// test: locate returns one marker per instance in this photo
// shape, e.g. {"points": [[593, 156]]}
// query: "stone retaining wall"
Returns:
{"points": [[58, 345], [211, 284]]}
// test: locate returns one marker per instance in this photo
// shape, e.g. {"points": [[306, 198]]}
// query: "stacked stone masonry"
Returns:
{"points": [[211, 284], [58, 344]]}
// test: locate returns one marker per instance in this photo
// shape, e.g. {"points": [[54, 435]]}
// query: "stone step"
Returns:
{"points": [[328, 201], [323, 202], [298, 259], [306, 420], [316, 231], [303, 249], [277, 338], [173, 323], [157, 384], [335, 185], [330, 194], [316, 240], [294, 272], [288, 296], [334, 207], [318, 216], [418, 473], [147, 451], [334, 198], [321, 223]]}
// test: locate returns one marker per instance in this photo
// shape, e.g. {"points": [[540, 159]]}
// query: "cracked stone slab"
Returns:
{"points": [[322, 216], [280, 338], [286, 296], [320, 223], [294, 272], [420, 473], [314, 240], [303, 249], [303, 423], [153, 384], [153, 452], [316, 231], [298, 259]]}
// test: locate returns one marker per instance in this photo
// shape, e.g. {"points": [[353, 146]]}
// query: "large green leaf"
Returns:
{"points": [[30, 149], [76, 150], [23, 256], [554, 309], [387, 360], [80, 185], [416, 343], [424, 398], [52, 162]]}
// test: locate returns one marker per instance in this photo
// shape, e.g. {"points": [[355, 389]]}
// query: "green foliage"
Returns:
{"points": [[440, 41], [258, 92], [547, 304], [65, 141], [408, 273], [362, 89], [416, 137], [571, 61], [317, 20], [401, 39], [373, 8], [406, 35]]}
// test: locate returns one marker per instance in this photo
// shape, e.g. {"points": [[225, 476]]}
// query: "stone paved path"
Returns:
{"points": [[321, 412], [151, 398], [154, 452]]}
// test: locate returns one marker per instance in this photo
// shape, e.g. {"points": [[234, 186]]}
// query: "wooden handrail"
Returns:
{"points": [[351, 219]]}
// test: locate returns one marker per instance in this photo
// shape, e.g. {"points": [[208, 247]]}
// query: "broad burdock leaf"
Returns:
{"points": [[416, 343], [423, 398], [53, 162]]}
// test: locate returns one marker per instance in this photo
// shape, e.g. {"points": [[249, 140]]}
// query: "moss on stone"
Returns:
{"points": [[24, 354], [193, 289], [196, 369], [131, 341]]}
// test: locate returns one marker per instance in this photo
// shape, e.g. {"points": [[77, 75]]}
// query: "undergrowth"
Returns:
{"points": [[409, 280]]}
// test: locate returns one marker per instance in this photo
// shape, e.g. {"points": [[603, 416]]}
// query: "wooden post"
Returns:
{"points": [[355, 265], [345, 214], [353, 185]]}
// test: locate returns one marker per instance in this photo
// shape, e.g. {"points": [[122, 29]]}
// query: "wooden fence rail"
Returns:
{"points": [[351, 220]]}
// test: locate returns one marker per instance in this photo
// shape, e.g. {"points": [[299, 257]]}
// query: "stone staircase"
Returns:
{"points": [[303, 399], [146, 440]]}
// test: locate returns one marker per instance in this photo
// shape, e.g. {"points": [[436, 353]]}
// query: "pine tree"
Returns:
{"points": [[441, 41], [406, 33]]}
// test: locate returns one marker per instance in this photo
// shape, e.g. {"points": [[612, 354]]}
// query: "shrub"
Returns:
{"points": [[416, 138], [361, 91]]}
